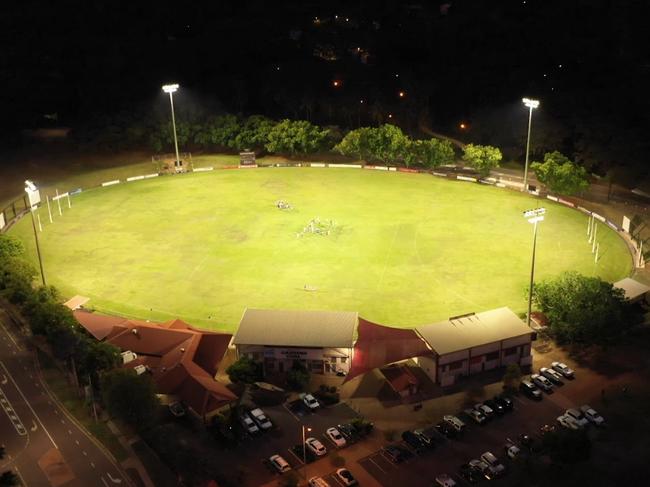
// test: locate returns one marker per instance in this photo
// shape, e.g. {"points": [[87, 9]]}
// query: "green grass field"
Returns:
{"points": [[406, 249]]}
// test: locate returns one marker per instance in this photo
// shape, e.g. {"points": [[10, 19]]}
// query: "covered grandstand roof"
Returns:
{"points": [[379, 345], [473, 330], [297, 328], [182, 360], [633, 289]]}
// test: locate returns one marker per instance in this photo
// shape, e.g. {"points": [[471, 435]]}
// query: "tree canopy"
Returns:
{"points": [[483, 158], [561, 175], [295, 137], [129, 396], [10, 246], [245, 371], [582, 309]]}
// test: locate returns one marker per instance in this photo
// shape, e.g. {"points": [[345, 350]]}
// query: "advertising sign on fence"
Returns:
{"points": [[2, 221], [626, 224]]}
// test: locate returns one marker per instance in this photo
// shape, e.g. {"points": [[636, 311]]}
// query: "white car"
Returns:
{"points": [[577, 415], [318, 482], [512, 450], [568, 422], [316, 447], [591, 414], [344, 476], [476, 415], [563, 369], [248, 424], [310, 401], [280, 464], [128, 356], [444, 480], [553, 375], [336, 437], [496, 467], [456, 423], [260, 418], [486, 410]]}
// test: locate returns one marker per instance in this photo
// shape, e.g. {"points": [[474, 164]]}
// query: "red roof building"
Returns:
{"points": [[182, 360]]}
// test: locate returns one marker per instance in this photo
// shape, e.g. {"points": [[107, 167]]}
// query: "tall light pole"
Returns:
{"points": [[171, 89], [32, 198], [304, 449], [533, 216], [530, 103]]}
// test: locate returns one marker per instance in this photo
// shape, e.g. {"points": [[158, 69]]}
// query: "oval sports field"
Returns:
{"points": [[401, 249]]}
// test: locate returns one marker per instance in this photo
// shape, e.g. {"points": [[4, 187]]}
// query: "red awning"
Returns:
{"points": [[380, 345]]}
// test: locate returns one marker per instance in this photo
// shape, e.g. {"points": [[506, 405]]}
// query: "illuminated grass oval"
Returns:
{"points": [[403, 249]]}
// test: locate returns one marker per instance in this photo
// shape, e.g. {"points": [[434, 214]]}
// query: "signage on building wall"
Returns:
{"points": [[296, 353]]}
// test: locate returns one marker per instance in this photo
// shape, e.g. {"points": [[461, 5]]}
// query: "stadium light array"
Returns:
{"points": [[533, 216], [531, 104]]}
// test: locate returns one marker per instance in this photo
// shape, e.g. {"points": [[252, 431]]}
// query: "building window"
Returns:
{"points": [[510, 351], [456, 365], [344, 360], [476, 360], [492, 356]]}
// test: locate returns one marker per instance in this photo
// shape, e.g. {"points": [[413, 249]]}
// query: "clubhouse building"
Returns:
{"points": [[336, 342]]}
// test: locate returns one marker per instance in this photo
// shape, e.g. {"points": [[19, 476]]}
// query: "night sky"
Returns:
{"points": [[72, 62]]}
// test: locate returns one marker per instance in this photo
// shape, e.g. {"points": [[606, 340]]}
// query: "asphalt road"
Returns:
{"points": [[43, 444]]}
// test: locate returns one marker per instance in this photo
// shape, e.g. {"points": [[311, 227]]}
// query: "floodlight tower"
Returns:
{"points": [[171, 89], [530, 103], [533, 216], [33, 198]]}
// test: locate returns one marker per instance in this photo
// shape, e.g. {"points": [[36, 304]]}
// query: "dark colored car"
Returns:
{"points": [[505, 402], [396, 454], [530, 390], [446, 429], [470, 473], [413, 440], [428, 436], [495, 406], [348, 432]]}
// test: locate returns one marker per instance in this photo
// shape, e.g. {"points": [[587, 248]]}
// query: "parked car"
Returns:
{"points": [[177, 409], [248, 424], [487, 411], [504, 401], [591, 415], [526, 441], [260, 418], [310, 401], [396, 454], [563, 369], [495, 406], [511, 449], [444, 480], [578, 416], [496, 467], [427, 435], [413, 440], [456, 423], [336, 437], [315, 446], [529, 389], [128, 356], [475, 415], [552, 375], [446, 429], [349, 432], [568, 422], [280, 464], [470, 473], [481, 466], [344, 476], [547, 428], [318, 482], [542, 382]]}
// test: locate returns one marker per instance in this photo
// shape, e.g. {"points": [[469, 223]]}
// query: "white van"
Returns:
{"points": [[455, 422]]}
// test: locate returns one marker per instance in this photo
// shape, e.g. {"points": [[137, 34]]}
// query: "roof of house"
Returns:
{"points": [[633, 289], [297, 328], [182, 360], [76, 302], [473, 330]]}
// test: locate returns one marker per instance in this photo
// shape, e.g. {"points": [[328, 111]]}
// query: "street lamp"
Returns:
{"points": [[304, 449], [171, 89], [530, 103], [32, 198], [533, 216]]}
